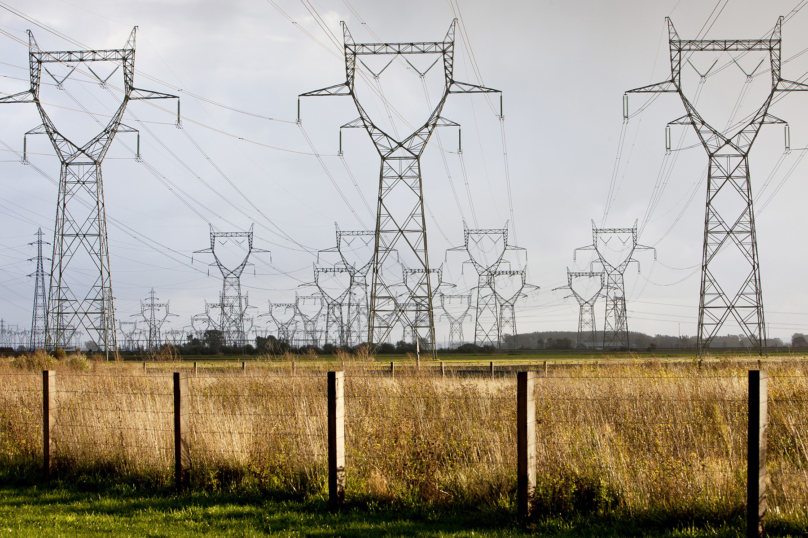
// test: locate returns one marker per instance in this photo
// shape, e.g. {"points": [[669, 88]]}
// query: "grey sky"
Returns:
{"points": [[563, 68]]}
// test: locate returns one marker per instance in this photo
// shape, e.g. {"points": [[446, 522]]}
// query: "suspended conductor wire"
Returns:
{"points": [[507, 175], [615, 169], [783, 181], [356, 186]]}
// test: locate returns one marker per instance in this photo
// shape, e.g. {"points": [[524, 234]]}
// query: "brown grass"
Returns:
{"points": [[635, 437]]}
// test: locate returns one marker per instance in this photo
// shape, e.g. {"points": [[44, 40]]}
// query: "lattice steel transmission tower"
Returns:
{"points": [[286, 327], [507, 300], [486, 250], [614, 263], [232, 304], [587, 328], [150, 312], [456, 320], [728, 186], [38, 319], [400, 217], [338, 314], [411, 278], [80, 236]]}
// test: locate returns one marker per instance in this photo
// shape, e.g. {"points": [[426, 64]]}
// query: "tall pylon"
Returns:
{"points": [[400, 217], [150, 312], [614, 263], [728, 232], [587, 327], [507, 295], [38, 319], [232, 305], [486, 249], [80, 236], [456, 320]]}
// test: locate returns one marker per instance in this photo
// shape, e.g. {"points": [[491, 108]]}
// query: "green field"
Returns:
{"points": [[35, 511]]}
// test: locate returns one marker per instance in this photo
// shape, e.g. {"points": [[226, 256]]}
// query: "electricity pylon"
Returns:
{"points": [[411, 277], [400, 218], [149, 311], [80, 236], [486, 249], [309, 320], [335, 314], [129, 337], [614, 263], [232, 304], [507, 300], [587, 328], [288, 327], [456, 321], [37, 336], [728, 231]]}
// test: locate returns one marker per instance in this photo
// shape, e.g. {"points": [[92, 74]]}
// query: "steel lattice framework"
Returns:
{"points": [[411, 278], [287, 328], [587, 328], [232, 304], [507, 302], [400, 226], [728, 180], [486, 250], [149, 311], [80, 237], [456, 321], [38, 318], [615, 326], [338, 313]]}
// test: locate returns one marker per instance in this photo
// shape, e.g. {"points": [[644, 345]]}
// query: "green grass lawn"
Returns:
{"points": [[34, 511]]}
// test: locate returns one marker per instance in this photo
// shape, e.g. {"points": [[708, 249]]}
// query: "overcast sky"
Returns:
{"points": [[241, 160]]}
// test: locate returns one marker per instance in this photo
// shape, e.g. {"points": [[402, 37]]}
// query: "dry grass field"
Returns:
{"points": [[642, 438]]}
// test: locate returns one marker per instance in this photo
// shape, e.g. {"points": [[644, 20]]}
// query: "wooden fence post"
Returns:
{"points": [[545, 368], [294, 368], [144, 367], [756, 471], [48, 417], [196, 369], [392, 369], [442, 370], [526, 452], [244, 367], [336, 439], [492, 369], [182, 456]]}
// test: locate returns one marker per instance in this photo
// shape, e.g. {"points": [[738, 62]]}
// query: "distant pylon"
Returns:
{"points": [[232, 305], [456, 321], [615, 328], [149, 312], [80, 237], [587, 328], [411, 277], [38, 320], [507, 300], [729, 226], [400, 217]]}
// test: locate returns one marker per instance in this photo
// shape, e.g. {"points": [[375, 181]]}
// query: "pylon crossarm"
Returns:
{"points": [[335, 90], [790, 86], [660, 87], [464, 87], [23, 97], [140, 94]]}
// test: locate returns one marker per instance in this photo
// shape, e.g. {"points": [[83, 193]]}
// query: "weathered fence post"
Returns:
{"points": [[48, 417], [244, 367], [526, 452], [545, 368], [492, 369], [756, 471], [294, 368], [196, 369], [144, 367], [392, 369], [336, 439], [442, 369], [182, 456]]}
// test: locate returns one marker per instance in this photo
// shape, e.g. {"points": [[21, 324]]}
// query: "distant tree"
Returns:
{"points": [[798, 340]]}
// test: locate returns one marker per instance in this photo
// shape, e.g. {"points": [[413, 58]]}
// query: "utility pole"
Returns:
{"points": [[614, 263], [80, 237], [38, 320], [232, 305], [587, 329], [400, 217], [729, 226]]}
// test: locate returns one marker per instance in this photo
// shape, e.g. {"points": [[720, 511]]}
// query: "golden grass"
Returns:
{"points": [[634, 437]]}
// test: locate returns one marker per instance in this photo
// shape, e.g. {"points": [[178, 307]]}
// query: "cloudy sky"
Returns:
{"points": [[241, 160]]}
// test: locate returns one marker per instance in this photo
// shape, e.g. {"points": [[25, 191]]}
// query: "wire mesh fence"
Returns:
{"points": [[613, 436]]}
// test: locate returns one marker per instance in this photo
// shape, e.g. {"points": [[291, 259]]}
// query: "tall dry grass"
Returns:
{"points": [[633, 437]]}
